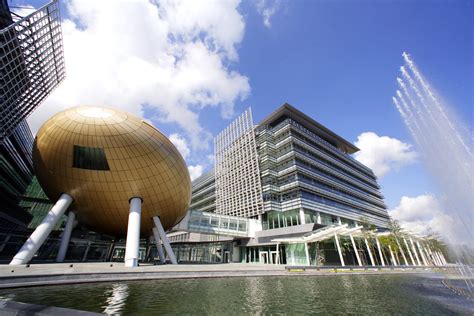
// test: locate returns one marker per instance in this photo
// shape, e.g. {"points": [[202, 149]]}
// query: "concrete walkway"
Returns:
{"points": [[70, 273]]}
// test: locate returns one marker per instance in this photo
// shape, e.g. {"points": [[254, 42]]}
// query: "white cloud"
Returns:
{"points": [[195, 171], [267, 8], [417, 208], [382, 153], [173, 56], [180, 144], [423, 213]]}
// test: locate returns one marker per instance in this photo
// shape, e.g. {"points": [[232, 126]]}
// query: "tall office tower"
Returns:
{"points": [[31, 62], [31, 66], [306, 174], [238, 187]]}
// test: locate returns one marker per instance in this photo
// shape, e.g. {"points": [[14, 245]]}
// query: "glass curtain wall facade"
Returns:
{"points": [[16, 173], [237, 176], [304, 177], [31, 63], [31, 66], [303, 173]]}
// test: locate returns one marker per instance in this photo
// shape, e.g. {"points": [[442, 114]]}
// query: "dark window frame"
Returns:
{"points": [[90, 158]]}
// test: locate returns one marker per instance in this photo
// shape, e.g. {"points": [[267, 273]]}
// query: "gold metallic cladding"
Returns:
{"points": [[143, 163]]}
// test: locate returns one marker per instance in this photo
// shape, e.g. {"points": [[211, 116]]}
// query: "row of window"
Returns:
{"points": [[276, 219]]}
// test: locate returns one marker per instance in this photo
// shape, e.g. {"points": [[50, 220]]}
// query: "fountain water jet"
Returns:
{"points": [[444, 144]]}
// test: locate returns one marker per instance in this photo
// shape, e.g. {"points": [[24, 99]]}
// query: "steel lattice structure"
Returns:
{"points": [[238, 184], [31, 64]]}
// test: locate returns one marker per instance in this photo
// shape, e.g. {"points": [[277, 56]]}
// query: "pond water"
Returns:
{"points": [[294, 295]]}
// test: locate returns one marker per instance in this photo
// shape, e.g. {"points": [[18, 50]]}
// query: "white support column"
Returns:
{"points": [[356, 251], [71, 218], [133, 233], [414, 250], [278, 253], [370, 253], [443, 259], [433, 257], [403, 252], [339, 222], [339, 250], [409, 252], [318, 218], [165, 240], [380, 251], [425, 263], [394, 261], [427, 255], [302, 218], [37, 238], [439, 258], [159, 247], [307, 254]]}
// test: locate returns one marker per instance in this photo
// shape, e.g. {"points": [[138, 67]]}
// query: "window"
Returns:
{"points": [[90, 158]]}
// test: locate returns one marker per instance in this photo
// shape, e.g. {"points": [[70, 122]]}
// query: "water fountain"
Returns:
{"points": [[445, 145]]}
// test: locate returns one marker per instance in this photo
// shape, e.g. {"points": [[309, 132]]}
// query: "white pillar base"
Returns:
{"points": [[356, 251], [409, 252], [159, 247], [394, 261], [133, 233], [71, 218], [165, 240], [414, 251], [370, 252], [37, 238], [402, 252], [380, 252], [339, 250], [422, 253]]}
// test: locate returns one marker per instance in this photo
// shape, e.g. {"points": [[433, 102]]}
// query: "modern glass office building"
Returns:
{"points": [[290, 176], [31, 66], [16, 173], [31, 62]]}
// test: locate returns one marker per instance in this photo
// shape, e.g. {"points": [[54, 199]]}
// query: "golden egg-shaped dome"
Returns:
{"points": [[103, 157]]}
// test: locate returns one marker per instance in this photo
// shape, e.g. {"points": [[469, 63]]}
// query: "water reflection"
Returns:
{"points": [[117, 299], [295, 295], [254, 294]]}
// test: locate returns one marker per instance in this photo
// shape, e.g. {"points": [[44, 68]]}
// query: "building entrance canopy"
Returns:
{"points": [[322, 234]]}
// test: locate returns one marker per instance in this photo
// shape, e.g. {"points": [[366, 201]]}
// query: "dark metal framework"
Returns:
{"points": [[31, 64]]}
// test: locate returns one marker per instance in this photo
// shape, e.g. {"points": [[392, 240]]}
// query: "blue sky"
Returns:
{"points": [[337, 61]]}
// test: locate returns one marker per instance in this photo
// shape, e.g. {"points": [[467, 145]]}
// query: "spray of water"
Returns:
{"points": [[445, 145]]}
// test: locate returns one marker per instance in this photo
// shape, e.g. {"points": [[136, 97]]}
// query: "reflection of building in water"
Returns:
{"points": [[117, 299]]}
